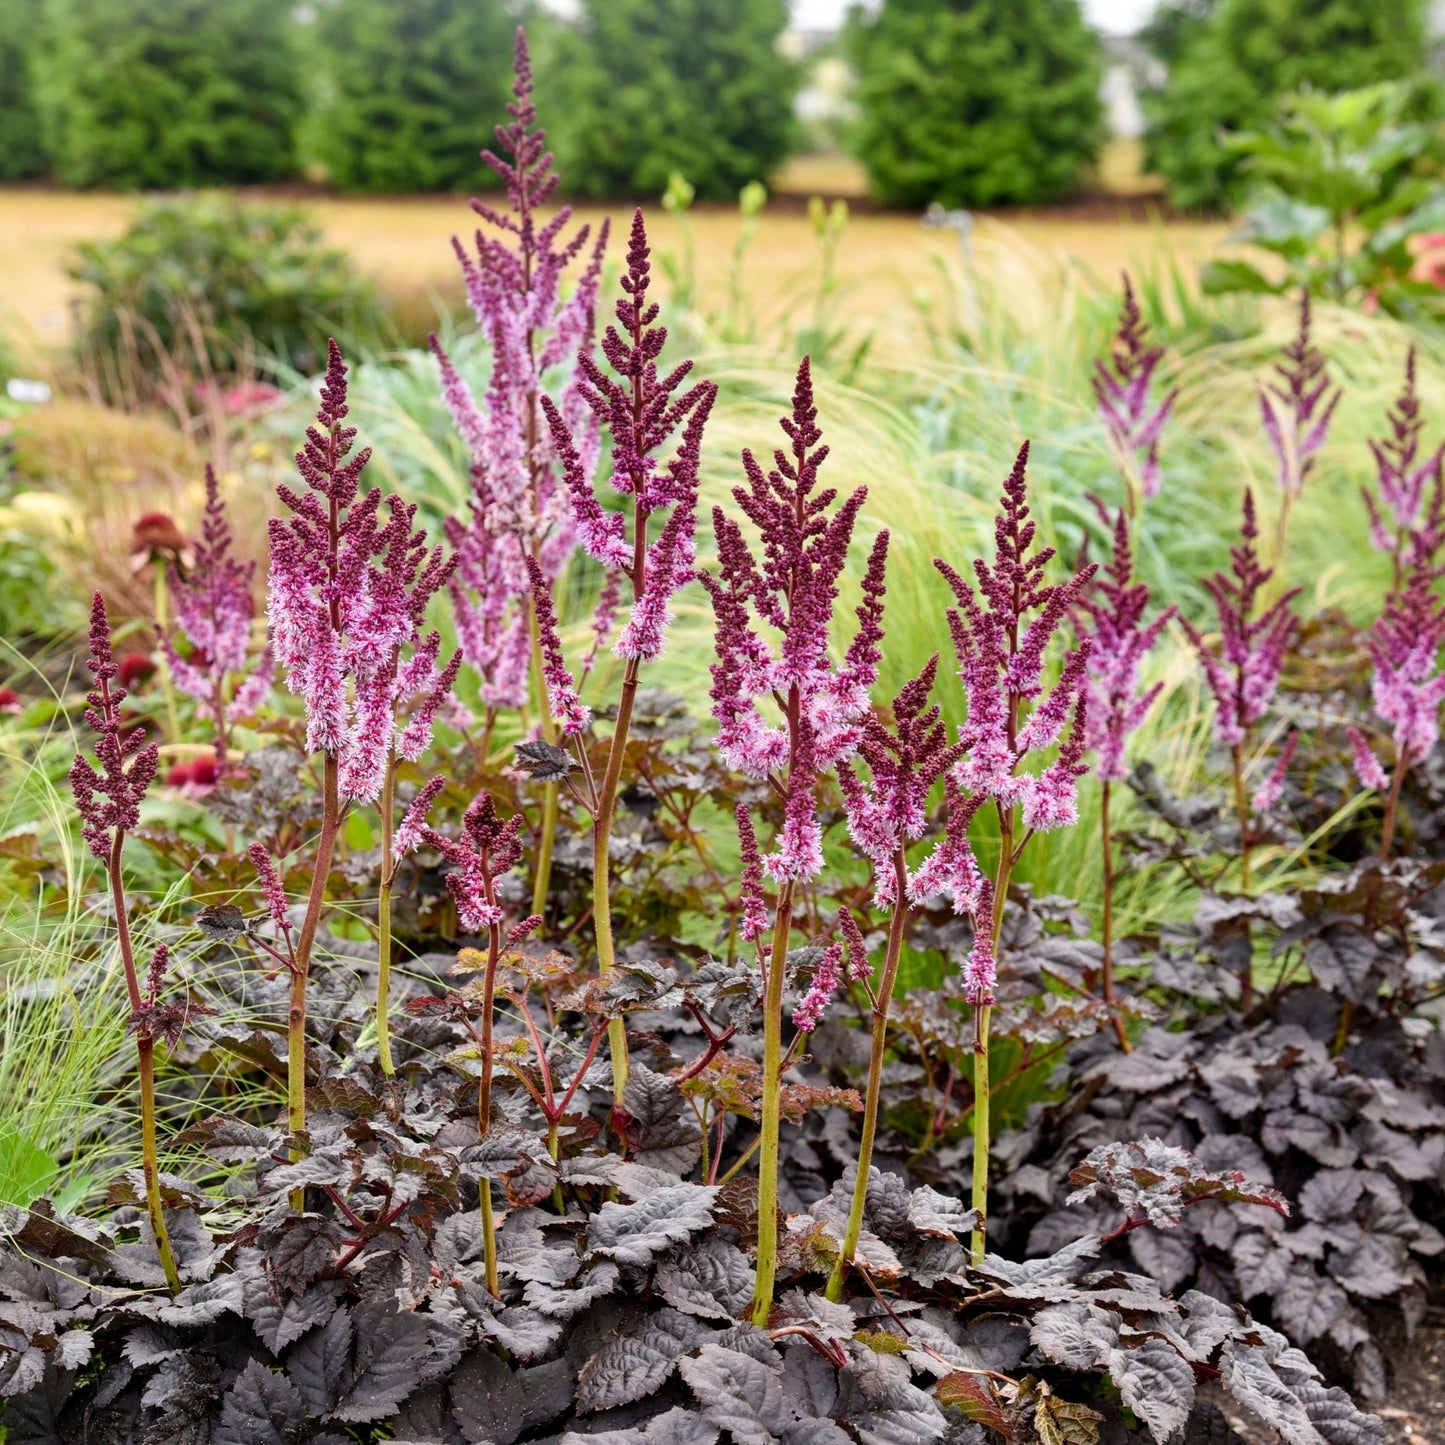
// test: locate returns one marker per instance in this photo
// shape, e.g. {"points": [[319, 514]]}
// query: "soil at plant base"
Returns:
{"points": [[1413, 1410]]}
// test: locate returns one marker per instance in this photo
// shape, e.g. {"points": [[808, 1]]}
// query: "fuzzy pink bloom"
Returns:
{"points": [[1122, 386], [1367, 765], [1297, 409], [1272, 788], [860, 970], [1243, 672], [408, 836], [1401, 513], [109, 798], [1408, 685], [487, 849], [567, 709], [1113, 621], [520, 506], [754, 903], [788, 592], [271, 888], [827, 975], [980, 973]]}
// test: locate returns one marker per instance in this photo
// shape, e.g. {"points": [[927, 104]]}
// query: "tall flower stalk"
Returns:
{"points": [[641, 409], [346, 593], [1297, 410], [788, 589], [1112, 615], [886, 813], [1123, 385], [214, 608], [108, 800], [1243, 671], [519, 510], [1001, 627]]}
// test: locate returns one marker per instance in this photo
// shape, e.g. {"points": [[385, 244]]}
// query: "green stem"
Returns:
{"points": [[872, 1097], [762, 1305], [383, 922], [489, 1238], [1241, 812], [542, 879], [1107, 842]]}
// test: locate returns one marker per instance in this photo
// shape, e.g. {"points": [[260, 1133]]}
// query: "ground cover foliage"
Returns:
{"points": [[655, 1078]]}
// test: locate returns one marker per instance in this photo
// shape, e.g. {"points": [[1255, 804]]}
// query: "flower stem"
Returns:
{"points": [[1392, 804], [542, 879], [145, 1051], [1241, 812], [762, 1305], [168, 687], [897, 927], [1107, 842], [383, 922]]}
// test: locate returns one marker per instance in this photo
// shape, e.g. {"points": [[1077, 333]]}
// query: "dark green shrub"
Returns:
{"points": [[168, 93], [212, 284], [975, 102], [1232, 68], [22, 150], [416, 86], [657, 86]]}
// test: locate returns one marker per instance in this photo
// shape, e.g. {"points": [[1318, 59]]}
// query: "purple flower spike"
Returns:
{"points": [[109, 799], [1122, 386], [827, 975], [1243, 673], [569, 712], [1401, 511], [1408, 685], [487, 849], [1268, 793], [754, 903], [1113, 613], [523, 490], [349, 589], [788, 591], [1297, 408]]}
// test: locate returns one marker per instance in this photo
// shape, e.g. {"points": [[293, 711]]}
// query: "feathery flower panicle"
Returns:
{"points": [[827, 975], [109, 798], [1243, 673], [572, 715], [1112, 613], [789, 589], [519, 507], [754, 903], [271, 889], [487, 849], [860, 970], [348, 593], [408, 836], [1297, 408], [1408, 685], [1122, 385], [886, 812], [214, 608], [1270, 790], [1401, 513], [641, 411]]}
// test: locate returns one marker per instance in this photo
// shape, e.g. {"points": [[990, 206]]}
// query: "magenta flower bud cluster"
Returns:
{"points": [[827, 975], [1122, 386], [214, 607], [1401, 516], [1297, 409], [519, 507], [487, 849], [1243, 671], [789, 590], [1112, 615], [348, 593], [109, 798]]}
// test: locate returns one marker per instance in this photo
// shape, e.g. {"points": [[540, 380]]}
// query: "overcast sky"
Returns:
{"points": [[1118, 17]]}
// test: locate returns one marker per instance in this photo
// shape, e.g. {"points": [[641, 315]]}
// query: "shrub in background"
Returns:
{"points": [[987, 103], [211, 285], [167, 93], [657, 86], [416, 86], [22, 152], [1230, 69]]}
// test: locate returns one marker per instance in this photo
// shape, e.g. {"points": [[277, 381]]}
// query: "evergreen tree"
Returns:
{"points": [[142, 94], [975, 102], [1232, 68], [657, 86], [416, 87], [22, 151]]}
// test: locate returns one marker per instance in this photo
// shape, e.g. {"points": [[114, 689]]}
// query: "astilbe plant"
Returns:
{"points": [[520, 510], [1243, 671], [1297, 410], [347, 592], [788, 590], [641, 409], [1403, 506], [1112, 616], [1001, 630], [108, 800], [1123, 388], [214, 608]]}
